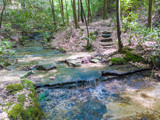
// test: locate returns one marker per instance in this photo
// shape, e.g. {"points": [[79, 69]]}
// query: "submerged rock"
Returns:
{"points": [[46, 66], [73, 62]]}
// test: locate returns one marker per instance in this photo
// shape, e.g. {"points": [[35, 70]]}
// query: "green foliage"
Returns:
{"points": [[132, 57], [15, 88], [62, 50], [89, 47], [93, 36], [129, 56], [117, 61], [42, 96], [21, 98]]}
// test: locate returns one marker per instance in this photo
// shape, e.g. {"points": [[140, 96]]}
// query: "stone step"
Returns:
{"points": [[108, 47], [107, 40], [107, 44], [106, 35], [106, 32]]}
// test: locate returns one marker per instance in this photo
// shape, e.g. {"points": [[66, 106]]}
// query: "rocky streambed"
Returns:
{"points": [[77, 86]]}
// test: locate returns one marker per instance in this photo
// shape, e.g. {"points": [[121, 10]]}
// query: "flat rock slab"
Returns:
{"points": [[120, 70], [107, 44], [74, 62], [13, 76], [106, 35], [46, 66]]}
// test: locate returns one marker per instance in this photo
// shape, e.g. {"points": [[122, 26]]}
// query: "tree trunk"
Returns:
{"points": [[78, 10], [89, 11], [3, 9], [67, 12], [150, 13], [119, 26], [104, 9], [74, 13], [53, 11], [62, 10], [81, 12], [85, 21]]}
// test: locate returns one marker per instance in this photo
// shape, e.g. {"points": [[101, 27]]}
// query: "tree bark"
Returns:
{"points": [[53, 11], [81, 12], [62, 10], [85, 21], [104, 9], [74, 13], [120, 45], [67, 12], [150, 13], [3, 9], [78, 10]]}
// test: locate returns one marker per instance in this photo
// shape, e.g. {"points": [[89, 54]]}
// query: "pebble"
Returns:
{"points": [[52, 78]]}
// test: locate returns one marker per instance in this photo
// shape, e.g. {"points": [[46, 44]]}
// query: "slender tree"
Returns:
{"points": [[67, 12], [81, 12], [78, 10], [74, 13], [3, 9], [104, 9], [85, 21], [53, 11], [119, 26], [89, 11], [150, 13], [62, 10]]}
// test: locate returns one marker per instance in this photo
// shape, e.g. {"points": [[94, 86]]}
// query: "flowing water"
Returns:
{"points": [[83, 94]]}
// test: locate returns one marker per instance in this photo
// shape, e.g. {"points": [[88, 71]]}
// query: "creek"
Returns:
{"points": [[82, 93]]}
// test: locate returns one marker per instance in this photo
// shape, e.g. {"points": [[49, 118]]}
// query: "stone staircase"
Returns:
{"points": [[106, 41]]}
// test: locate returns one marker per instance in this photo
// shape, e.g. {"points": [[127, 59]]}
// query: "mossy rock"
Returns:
{"points": [[19, 113], [117, 61], [33, 112], [15, 88], [22, 98]]}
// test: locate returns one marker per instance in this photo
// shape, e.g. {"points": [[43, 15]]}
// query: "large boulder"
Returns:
{"points": [[46, 66]]}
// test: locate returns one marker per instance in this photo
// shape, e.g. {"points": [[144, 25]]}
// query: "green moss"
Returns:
{"points": [[18, 112], [118, 61], [21, 98], [132, 57], [27, 83], [15, 87]]}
